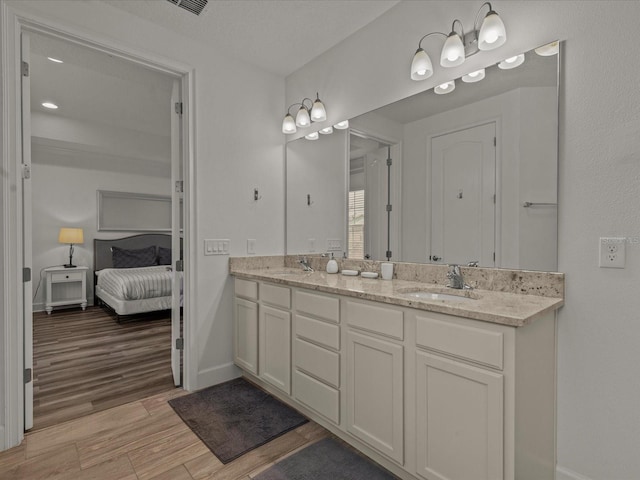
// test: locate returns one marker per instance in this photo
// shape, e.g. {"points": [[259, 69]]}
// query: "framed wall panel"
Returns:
{"points": [[133, 212]]}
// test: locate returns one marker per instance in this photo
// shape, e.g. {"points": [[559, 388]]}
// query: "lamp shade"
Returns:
{"points": [[492, 32], [421, 66], [318, 112], [474, 76], [512, 62], [452, 51], [71, 235], [302, 118], [288, 124], [445, 88]]}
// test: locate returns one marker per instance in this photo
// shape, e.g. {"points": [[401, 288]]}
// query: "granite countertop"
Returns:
{"points": [[500, 307]]}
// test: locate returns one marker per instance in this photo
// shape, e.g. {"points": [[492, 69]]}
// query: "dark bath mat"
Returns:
{"points": [[235, 417], [325, 460]]}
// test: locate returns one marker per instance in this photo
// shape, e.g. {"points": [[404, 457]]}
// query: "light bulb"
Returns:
{"points": [[446, 87], [452, 51], [492, 32], [474, 76], [421, 66], [326, 131], [302, 118], [288, 125], [312, 136]]}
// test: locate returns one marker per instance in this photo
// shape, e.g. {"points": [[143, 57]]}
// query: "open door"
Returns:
{"points": [[27, 262], [176, 234]]}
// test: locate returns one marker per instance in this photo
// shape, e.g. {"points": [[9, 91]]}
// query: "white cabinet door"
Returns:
{"points": [[459, 420], [375, 411], [275, 347], [245, 342]]}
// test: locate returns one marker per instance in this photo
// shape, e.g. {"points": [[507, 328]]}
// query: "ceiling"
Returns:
{"points": [[279, 36]]}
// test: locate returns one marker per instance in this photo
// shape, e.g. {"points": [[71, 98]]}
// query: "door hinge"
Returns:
{"points": [[389, 208], [494, 198], [494, 256], [389, 162], [388, 254], [26, 171], [28, 375], [26, 274], [179, 265], [179, 186], [495, 142], [25, 69], [180, 343], [178, 107]]}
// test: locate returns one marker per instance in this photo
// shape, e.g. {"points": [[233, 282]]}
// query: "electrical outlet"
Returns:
{"points": [[612, 252], [251, 246], [311, 245]]}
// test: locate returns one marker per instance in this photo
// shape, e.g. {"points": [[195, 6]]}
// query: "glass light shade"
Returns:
{"points": [[50, 105], [326, 131], [302, 118], [452, 51], [54, 60], [474, 76], [71, 235], [312, 136], [342, 125], [318, 112], [447, 87], [492, 32], [288, 125], [512, 62], [421, 66], [549, 49]]}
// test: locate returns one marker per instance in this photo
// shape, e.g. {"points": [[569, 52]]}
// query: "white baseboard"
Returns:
{"points": [[217, 374], [566, 474]]}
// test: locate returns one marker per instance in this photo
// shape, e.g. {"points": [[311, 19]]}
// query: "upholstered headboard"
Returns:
{"points": [[102, 257]]}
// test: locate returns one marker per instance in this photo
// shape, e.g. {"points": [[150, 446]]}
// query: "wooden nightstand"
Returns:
{"points": [[65, 286]]}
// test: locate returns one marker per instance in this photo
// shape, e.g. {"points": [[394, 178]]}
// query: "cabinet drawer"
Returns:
{"points": [[246, 289], [67, 277], [374, 318], [317, 361], [274, 295], [323, 333], [475, 344], [317, 396], [319, 306]]}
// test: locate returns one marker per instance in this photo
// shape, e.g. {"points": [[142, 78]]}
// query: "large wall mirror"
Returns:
{"points": [[467, 176]]}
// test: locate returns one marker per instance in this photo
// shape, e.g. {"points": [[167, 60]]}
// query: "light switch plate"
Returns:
{"points": [[216, 246], [612, 252], [251, 246], [311, 244], [334, 245]]}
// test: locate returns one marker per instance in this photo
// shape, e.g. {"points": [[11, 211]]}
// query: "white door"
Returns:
{"points": [[463, 188], [176, 234], [26, 234]]}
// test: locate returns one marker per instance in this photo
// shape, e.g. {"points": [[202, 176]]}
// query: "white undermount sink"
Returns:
{"points": [[430, 295]]}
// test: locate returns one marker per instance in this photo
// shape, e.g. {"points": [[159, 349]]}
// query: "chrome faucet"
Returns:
{"points": [[305, 264], [455, 278]]}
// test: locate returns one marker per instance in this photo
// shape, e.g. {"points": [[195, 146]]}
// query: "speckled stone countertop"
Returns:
{"points": [[507, 297]]}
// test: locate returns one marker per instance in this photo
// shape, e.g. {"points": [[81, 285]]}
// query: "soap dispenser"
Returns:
{"points": [[332, 265]]}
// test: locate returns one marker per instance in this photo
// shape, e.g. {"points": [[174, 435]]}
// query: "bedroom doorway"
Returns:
{"points": [[96, 140]]}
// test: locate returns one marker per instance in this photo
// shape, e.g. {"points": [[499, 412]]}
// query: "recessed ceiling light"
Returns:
{"points": [[50, 105], [54, 60]]}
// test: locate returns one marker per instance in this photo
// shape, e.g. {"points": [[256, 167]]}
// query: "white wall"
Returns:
{"points": [[234, 152], [598, 423], [317, 168]]}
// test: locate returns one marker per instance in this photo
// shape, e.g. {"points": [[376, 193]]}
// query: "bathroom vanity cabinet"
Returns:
{"points": [[427, 395]]}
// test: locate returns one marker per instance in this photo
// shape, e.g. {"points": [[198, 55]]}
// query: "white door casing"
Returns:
{"points": [[27, 256], [463, 196], [176, 229]]}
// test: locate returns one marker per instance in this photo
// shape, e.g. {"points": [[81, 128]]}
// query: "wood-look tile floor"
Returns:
{"points": [[140, 440], [85, 362]]}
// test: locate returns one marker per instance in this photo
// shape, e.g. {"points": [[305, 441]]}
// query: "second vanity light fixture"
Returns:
{"points": [[460, 45], [315, 112]]}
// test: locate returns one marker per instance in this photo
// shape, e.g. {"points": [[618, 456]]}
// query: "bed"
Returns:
{"points": [[134, 274]]}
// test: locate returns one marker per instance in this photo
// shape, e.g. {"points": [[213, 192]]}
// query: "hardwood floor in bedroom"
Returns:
{"points": [[85, 362]]}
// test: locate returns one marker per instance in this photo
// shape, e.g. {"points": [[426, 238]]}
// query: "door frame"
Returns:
{"points": [[498, 182], [14, 22]]}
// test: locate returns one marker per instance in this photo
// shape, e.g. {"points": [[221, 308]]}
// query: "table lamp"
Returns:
{"points": [[71, 236]]}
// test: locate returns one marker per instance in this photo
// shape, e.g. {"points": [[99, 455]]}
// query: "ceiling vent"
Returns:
{"points": [[194, 6]]}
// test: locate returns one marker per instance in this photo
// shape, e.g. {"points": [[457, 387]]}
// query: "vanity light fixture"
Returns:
{"points": [[474, 76], [50, 105], [342, 125], [458, 45], [309, 111], [512, 62], [445, 88]]}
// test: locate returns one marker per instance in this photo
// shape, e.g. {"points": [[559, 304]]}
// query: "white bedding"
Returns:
{"points": [[136, 283]]}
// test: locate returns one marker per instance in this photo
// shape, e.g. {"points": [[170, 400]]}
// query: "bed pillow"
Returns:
{"points": [[143, 257], [164, 256]]}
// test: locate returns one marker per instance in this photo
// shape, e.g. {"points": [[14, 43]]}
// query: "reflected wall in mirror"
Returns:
{"points": [[464, 165]]}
